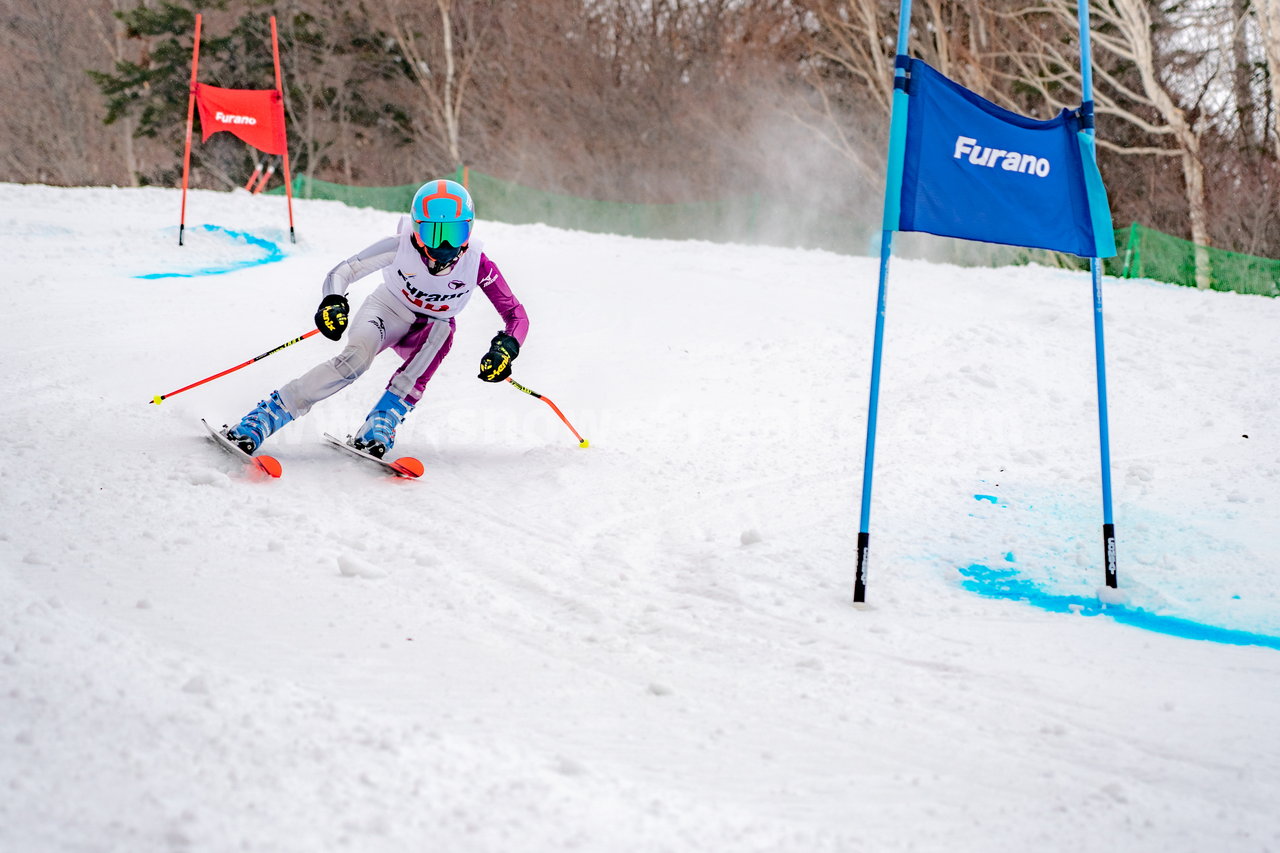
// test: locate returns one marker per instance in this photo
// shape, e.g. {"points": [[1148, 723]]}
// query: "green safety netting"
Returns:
{"points": [[1147, 253], [1142, 252], [744, 219], [380, 198]]}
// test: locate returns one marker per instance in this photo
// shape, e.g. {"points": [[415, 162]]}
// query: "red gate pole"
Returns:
{"points": [[266, 176], [288, 181], [186, 154], [253, 179]]}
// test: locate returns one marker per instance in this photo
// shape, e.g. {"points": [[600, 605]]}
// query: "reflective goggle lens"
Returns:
{"points": [[432, 234]]}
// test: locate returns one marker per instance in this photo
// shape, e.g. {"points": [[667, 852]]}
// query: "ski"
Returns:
{"points": [[267, 464], [407, 467]]}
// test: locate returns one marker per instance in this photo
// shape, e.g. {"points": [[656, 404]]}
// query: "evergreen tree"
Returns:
{"points": [[333, 66]]}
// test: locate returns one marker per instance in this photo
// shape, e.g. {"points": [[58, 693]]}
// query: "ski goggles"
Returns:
{"points": [[435, 234]]}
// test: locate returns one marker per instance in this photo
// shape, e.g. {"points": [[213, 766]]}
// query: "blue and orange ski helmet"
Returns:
{"points": [[442, 214]]}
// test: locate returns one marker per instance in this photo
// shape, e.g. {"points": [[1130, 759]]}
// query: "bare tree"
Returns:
{"points": [[850, 67], [329, 61], [1133, 85], [440, 51], [48, 109], [850, 64], [110, 31], [661, 100], [1268, 14], [1242, 73]]}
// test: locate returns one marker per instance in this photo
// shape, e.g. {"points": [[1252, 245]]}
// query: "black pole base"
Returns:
{"points": [[1109, 553], [860, 579], [180, 227]]}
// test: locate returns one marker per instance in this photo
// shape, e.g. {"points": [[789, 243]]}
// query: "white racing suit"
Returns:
{"points": [[412, 312]]}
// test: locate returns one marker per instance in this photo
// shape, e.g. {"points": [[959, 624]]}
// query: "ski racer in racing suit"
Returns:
{"points": [[430, 270]]}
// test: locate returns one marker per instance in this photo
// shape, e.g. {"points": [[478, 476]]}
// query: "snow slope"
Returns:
{"points": [[647, 644]]}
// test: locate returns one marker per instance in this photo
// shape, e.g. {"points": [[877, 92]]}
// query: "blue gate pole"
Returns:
{"points": [[892, 203], [1095, 270]]}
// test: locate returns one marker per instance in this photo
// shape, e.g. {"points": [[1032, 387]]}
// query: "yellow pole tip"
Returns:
{"points": [[157, 399], [585, 443]]}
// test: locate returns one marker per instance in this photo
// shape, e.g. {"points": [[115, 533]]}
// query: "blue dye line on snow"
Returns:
{"points": [[1007, 584], [272, 254]]}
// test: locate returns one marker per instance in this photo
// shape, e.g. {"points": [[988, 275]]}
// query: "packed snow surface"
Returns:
{"points": [[647, 644]]}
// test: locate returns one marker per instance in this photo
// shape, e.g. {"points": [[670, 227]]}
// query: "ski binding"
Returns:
{"points": [[408, 467], [267, 464]]}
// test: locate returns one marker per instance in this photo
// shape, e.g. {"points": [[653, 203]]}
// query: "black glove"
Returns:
{"points": [[496, 364], [331, 316]]}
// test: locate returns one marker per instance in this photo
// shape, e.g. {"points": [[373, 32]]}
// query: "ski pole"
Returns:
{"points": [[160, 398], [582, 442]]}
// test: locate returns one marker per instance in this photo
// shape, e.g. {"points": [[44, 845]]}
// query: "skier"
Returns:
{"points": [[430, 268]]}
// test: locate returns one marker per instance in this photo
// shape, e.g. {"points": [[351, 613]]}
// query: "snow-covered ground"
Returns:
{"points": [[647, 644]]}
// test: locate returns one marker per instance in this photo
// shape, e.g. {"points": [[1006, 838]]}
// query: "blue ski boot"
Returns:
{"points": [[266, 418], [378, 434]]}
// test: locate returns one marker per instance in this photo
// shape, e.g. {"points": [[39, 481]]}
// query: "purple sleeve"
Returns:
{"points": [[495, 287]]}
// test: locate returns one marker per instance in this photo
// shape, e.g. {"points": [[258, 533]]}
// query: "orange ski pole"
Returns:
{"points": [[582, 442], [160, 398]]}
